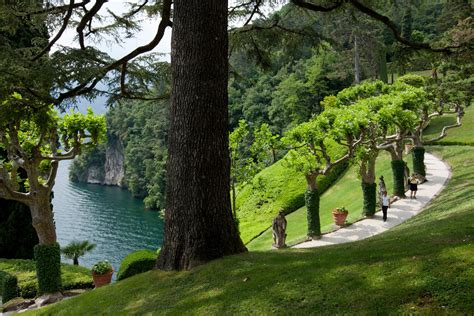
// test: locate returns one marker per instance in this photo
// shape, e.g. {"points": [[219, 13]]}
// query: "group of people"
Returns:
{"points": [[385, 199]]}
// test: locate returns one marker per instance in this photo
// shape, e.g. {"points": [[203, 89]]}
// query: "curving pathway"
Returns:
{"points": [[437, 173]]}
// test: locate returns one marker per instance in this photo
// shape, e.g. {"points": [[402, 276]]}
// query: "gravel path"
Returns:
{"points": [[437, 173]]}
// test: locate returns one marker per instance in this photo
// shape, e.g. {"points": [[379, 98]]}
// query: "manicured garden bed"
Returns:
{"points": [[73, 277]]}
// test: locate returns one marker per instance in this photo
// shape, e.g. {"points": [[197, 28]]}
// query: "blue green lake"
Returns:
{"points": [[107, 216]]}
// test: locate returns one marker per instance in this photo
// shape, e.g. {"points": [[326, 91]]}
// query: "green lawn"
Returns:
{"points": [[345, 192], [73, 277], [457, 135], [424, 265], [273, 188]]}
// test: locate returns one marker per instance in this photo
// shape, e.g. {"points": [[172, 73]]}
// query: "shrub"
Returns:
{"points": [[370, 198], [72, 277], [398, 170], [419, 161], [137, 262], [8, 286], [48, 268], [312, 204]]}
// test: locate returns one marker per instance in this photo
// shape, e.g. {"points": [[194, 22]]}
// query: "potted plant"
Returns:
{"points": [[102, 273], [339, 215]]}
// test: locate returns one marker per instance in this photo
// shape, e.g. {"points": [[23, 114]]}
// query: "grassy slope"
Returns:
{"points": [[345, 192], [279, 187], [463, 134], [424, 265], [25, 270]]}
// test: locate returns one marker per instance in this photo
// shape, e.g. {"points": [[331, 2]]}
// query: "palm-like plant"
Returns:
{"points": [[77, 249]]}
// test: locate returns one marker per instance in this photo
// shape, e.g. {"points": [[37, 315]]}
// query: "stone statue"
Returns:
{"points": [[279, 230], [382, 188]]}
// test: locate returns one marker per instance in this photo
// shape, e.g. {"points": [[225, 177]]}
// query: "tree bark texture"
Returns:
{"points": [[43, 219], [199, 226], [357, 71]]}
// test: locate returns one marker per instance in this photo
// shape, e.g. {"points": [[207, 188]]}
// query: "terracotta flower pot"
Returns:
{"points": [[102, 279], [339, 217]]}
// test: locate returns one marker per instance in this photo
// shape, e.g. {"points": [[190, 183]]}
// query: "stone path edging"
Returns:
{"points": [[437, 173]]}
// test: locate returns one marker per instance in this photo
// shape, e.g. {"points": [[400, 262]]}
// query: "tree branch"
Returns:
{"points": [[60, 32], [86, 18], [87, 85], [255, 9], [394, 28], [52, 175], [58, 9], [315, 7], [7, 193], [443, 133]]}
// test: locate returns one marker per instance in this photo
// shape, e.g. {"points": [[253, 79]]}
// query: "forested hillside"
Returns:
{"points": [[281, 68]]}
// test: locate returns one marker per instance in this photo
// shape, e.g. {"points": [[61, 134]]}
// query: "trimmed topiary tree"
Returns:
{"points": [[398, 170], [48, 268], [320, 145], [36, 139], [311, 198], [369, 191], [137, 262], [8, 286], [419, 161]]}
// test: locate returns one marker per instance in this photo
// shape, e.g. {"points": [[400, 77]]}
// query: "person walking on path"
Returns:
{"points": [[385, 205], [413, 181]]}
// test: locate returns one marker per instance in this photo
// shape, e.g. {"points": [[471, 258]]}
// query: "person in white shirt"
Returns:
{"points": [[385, 205]]}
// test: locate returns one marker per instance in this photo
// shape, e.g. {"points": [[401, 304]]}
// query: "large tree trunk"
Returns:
{"points": [[199, 225], [43, 220], [383, 74], [357, 71]]}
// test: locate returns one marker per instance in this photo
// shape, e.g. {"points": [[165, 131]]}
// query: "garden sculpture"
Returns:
{"points": [[279, 230]]}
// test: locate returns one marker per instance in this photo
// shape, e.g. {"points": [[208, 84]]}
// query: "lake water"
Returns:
{"points": [[107, 216]]}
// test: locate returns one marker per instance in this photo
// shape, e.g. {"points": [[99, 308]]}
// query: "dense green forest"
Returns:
{"points": [[281, 68]]}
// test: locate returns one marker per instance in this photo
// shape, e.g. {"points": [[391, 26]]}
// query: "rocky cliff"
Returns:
{"points": [[114, 170], [104, 165]]}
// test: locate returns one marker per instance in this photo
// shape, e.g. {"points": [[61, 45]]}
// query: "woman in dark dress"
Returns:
{"points": [[413, 186]]}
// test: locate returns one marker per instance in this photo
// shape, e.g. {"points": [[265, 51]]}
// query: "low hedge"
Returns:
{"points": [[8, 286], [137, 262], [72, 277], [452, 143]]}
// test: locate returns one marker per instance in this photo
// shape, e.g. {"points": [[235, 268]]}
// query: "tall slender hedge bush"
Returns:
{"points": [[312, 205], [370, 198], [419, 161], [8, 286], [48, 268], [398, 170]]}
